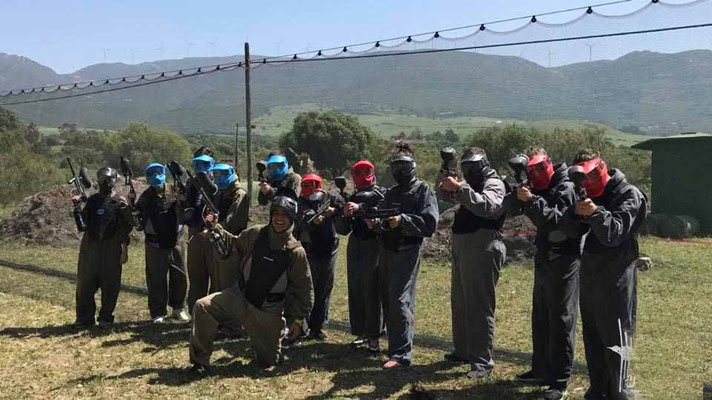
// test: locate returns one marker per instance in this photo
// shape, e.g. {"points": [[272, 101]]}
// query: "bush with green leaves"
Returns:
{"points": [[143, 144], [23, 170], [502, 143], [332, 140]]}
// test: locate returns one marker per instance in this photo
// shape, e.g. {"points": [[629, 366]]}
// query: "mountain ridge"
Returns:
{"points": [[653, 92]]}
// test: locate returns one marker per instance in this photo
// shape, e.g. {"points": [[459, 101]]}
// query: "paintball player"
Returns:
{"points": [[545, 199], [281, 179], [108, 222], [163, 230], [201, 252], [609, 212], [366, 279], [232, 202], [402, 239], [274, 283], [315, 229], [478, 255]]}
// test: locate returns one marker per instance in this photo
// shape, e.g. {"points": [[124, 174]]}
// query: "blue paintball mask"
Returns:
{"points": [[277, 168], [156, 175], [224, 175], [203, 163]]}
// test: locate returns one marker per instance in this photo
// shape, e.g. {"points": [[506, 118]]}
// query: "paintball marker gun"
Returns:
{"points": [[178, 173], [449, 165], [214, 236], [80, 182], [518, 164], [261, 168], [128, 176], [577, 175], [323, 207]]}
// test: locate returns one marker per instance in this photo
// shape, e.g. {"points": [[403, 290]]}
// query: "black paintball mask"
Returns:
{"points": [[288, 204], [403, 169], [106, 177], [474, 168]]}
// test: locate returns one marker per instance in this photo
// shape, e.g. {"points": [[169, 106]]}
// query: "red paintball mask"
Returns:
{"points": [[539, 171], [363, 174], [310, 184], [597, 177]]}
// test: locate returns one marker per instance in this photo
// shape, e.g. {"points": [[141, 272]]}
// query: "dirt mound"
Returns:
{"points": [[46, 217], [518, 237]]}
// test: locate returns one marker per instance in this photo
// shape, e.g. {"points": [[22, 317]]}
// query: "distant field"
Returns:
{"points": [[279, 120]]}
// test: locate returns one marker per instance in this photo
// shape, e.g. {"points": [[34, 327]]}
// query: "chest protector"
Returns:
{"points": [[163, 216], [467, 222], [267, 267], [409, 200], [102, 218]]}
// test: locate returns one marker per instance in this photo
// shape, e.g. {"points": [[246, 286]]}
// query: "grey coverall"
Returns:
{"points": [[608, 284], [478, 255], [400, 258], [108, 223]]}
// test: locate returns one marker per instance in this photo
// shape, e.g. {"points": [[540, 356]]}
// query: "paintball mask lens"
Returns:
{"points": [[106, 177], [539, 171], [217, 173], [156, 176], [274, 167], [363, 172], [201, 166], [203, 163], [474, 170], [403, 171], [402, 167], [310, 184], [223, 175], [596, 178], [363, 175]]}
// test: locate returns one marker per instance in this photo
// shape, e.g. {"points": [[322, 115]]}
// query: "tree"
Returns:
{"points": [[143, 144], [22, 170], [8, 120], [331, 138]]}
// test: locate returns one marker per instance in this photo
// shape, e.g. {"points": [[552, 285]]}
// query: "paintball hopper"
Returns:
{"points": [[178, 172], [207, 184], [518, 164], [449, 164], [126, 169], [340, 182], [261, 166], [177, 169], [577, 175], [84, 177]]}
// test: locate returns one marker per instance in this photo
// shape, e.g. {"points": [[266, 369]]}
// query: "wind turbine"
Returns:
{"points": [[189, 44], [212, 47], [550, 54], [590, 50], [160, 52], [106, 51]]}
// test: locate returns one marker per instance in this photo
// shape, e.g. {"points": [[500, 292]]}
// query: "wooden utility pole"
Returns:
{"points": [[237, 140], [248, 121]]}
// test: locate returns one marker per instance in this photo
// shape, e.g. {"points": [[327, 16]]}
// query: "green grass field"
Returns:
{"points": [[279, 120], [44, 357]]}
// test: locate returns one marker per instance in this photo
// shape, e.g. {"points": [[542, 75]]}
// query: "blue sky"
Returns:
{"points": [[71, 34]]}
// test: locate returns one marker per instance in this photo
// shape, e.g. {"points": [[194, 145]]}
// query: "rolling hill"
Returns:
{"points": [[657, 93]]}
